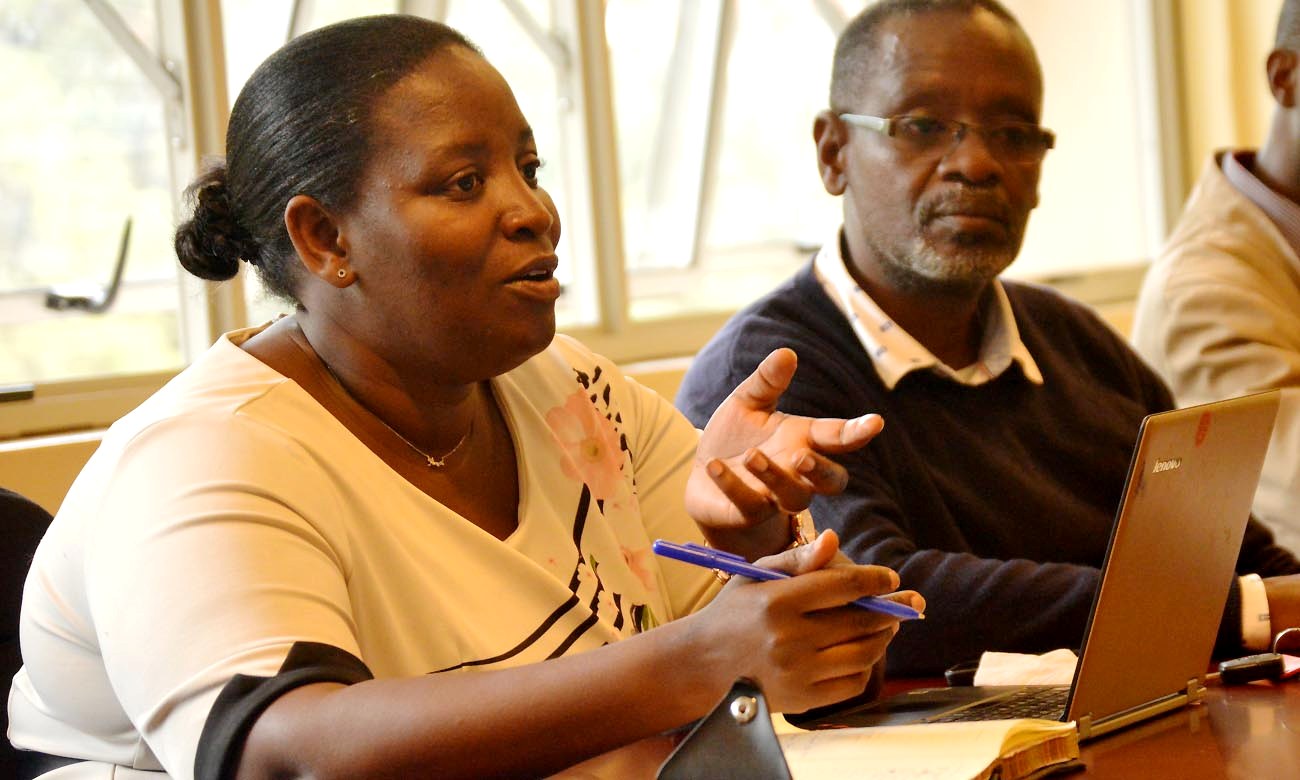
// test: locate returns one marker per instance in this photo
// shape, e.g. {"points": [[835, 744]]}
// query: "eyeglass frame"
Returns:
{"points": [[885, 126]]}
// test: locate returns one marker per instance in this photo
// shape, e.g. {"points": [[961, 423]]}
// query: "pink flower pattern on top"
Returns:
{"points": [[641, 562], [592, 443], [594, 452]]}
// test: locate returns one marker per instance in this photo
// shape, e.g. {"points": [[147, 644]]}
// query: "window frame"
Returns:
{"points": [[189, 33], [193, 49]]}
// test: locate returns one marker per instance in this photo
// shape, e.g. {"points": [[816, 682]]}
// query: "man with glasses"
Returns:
{"points": [[1010, 411], [1219, 312]]}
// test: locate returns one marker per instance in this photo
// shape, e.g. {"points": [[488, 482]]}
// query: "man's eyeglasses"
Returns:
{"points": [[1018, 142]]}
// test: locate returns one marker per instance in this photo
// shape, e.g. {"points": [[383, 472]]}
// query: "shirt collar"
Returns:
{"points": [[895, 353], [1239, 169]]}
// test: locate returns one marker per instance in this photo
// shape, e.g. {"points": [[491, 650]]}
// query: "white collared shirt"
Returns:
{"points": [[895, 353]]}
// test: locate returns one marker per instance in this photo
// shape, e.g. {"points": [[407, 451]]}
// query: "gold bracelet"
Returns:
{"points": [[800, 522]]}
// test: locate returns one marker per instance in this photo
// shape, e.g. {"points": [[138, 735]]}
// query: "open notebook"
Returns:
{"points": [[1007, 750], [1165, 579]]}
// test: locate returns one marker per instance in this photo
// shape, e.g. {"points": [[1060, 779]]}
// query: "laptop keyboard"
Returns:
{"points": [[1046, 702]]}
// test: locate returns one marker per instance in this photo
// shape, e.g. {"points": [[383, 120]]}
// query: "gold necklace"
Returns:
{"points": [[432, 461]]}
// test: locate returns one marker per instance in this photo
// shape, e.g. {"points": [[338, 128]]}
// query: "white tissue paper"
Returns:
{"points": [[1053, 668]]}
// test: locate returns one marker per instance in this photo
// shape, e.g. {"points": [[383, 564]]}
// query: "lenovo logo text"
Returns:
{"points": [[1167, 465]]}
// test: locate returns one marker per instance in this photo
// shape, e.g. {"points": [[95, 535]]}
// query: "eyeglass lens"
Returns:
{"points": [[1014, 141]]}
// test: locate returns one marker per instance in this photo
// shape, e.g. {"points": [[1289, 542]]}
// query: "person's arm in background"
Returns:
{"points": [[1280, 571], [1218, 320], [1215, 327], [1219, 328]]}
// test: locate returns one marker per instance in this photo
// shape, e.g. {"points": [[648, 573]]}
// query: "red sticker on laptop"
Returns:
{"points": [[1203, 428]]}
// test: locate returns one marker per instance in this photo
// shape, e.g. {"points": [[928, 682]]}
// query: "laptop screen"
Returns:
{"points": [[1172, 554]]}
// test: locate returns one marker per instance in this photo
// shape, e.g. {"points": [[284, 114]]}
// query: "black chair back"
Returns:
{"points": [[22, 523]]}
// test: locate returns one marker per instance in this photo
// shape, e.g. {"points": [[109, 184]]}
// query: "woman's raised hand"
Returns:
{"points": [[756, 466]]}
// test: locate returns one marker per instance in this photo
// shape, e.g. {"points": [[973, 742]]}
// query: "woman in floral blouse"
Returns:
{"points": [[406, 529]]}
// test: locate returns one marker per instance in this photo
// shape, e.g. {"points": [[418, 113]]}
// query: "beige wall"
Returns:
{"points": [[1222, 50]]}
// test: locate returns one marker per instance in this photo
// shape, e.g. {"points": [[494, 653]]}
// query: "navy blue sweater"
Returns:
{"points": [[995, 502]]}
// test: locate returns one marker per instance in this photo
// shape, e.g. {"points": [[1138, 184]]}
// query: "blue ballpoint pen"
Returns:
{"points": [[735, 564]]}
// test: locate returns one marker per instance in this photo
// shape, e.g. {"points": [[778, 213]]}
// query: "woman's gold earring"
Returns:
{"points": [[343, 273]]}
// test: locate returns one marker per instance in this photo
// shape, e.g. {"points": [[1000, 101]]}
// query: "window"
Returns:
{"points": [[1103, 197], [85, 176], [677, 137], [715, 102]]}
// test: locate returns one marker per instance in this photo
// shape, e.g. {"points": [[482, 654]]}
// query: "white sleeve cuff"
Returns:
{"points": [[1255, 627]]}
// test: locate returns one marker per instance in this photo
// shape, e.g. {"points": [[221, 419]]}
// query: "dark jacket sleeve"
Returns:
{"points": [[1260, 555], [973, 604]]}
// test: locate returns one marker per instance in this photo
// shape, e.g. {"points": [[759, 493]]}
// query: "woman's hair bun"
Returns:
{"points": [[212, 242]]}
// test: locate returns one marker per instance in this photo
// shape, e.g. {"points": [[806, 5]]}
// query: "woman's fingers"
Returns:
{"points": [[799, 476], [817, 554], [838, 435], [817, 677], [853, 656], [824, 692], [819, 586], [851, 623], [821, 473], [752, 505], [763, 388], [790, 491], [804, 642]]}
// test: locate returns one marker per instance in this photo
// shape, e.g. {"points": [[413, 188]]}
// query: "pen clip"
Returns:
{"points": [[713, 552]]}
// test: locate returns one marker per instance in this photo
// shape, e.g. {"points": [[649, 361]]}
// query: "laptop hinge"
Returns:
{"points": [[1088, 728]]}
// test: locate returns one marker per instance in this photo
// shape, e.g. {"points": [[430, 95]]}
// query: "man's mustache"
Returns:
{"points": [[987, 206]]}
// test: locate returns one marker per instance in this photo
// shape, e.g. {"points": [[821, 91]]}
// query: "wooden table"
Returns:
{"points": [[1250, 732], [1242, 732], [1245, 732]]}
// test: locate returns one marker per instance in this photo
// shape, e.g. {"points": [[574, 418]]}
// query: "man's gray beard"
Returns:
{"points": [[920, 268]]}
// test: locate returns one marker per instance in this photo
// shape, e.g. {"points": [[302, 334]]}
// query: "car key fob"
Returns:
{"points": [[1264, 666]]}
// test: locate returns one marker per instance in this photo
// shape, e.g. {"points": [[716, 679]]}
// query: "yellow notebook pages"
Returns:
{"points": [[1004, 749]]}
